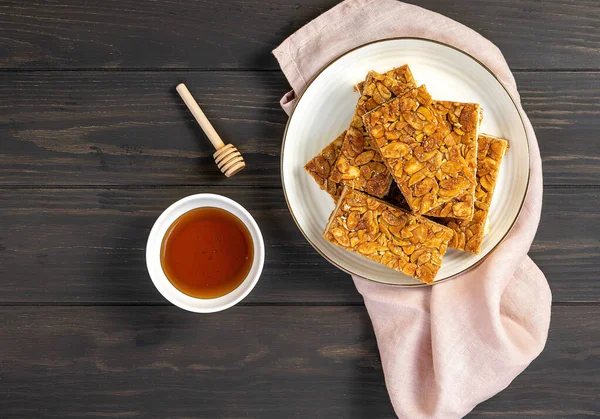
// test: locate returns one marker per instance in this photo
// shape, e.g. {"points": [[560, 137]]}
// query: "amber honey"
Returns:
{"points": [[207, 252]]}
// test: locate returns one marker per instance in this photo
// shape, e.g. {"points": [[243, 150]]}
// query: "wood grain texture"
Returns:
{"points": [[90, 155], [257, 362], [122, 128], [132, 128], [564, 110], [241, 34], [88, 246]]}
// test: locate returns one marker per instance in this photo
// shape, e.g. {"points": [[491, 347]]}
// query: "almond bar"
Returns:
{"points": [[461, 207], [428, 161], [320, 166], [395, 238], [360, 165], [468, 235], [463, 124]]}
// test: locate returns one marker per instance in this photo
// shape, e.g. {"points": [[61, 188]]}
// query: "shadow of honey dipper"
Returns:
{"points": [[228, 158]]}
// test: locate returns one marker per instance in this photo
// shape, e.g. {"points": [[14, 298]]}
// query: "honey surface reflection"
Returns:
{"points": [[207, 252]]}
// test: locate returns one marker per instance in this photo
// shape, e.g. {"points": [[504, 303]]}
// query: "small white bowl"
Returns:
{"points": [[164, 286]]}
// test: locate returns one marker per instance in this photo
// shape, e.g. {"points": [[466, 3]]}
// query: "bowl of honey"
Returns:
{"points": [[205, 253]]}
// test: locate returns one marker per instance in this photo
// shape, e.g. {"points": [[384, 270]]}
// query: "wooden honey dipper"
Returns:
{"points": [[228, 158]]}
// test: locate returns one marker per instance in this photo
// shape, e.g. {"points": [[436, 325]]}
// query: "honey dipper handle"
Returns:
{"points": [[200, 117]]}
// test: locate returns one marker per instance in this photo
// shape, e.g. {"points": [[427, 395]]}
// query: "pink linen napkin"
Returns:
{"points": [[445, 348]]}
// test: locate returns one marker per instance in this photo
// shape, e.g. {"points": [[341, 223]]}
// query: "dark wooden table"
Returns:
{"points": [[94, 144]]}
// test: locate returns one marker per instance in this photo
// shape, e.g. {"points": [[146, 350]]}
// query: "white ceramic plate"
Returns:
{"points": [[326, 107]]}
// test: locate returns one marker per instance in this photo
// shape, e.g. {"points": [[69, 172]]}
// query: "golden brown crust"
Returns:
{"points": [[379, 88], [468, 235], [381, 232], [360, 165], [320, 167], [462, 207], [461, 120], [425, 154]]}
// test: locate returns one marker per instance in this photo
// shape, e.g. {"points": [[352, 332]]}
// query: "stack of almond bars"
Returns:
{"points": [[411, 176]]}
